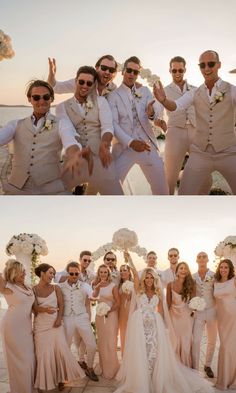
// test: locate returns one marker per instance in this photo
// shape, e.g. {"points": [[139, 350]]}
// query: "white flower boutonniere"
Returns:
{"points": [[208, 279], [219, 96], [137, 94], [48, 124], [76, 286], [88, 105]]}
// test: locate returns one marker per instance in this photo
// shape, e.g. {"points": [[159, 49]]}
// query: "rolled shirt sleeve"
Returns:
{"points": [[64, 87], [186, 100], [105, 116]]}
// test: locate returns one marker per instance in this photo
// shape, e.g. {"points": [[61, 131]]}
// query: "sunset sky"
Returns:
{"points": [[72, 224], [76, 32]]}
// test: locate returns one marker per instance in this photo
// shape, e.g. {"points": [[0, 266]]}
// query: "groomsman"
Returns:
{"points": [[204, 288], [76, 318], [106, 68], [214, 145], [110, 260], [135, 140], [86, 275], [168, 275], [38, 141], [151, 261], [89, 116]]}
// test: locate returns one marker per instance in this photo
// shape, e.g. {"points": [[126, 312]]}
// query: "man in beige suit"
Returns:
{"points": [[89, 116], [204, 288], [38, 141], [214, 145], [168, 275]]}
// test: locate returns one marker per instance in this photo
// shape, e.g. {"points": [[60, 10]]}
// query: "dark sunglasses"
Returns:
{"points": [[37, 97], [180, 70], [173, 255], [87, 260], [112, 70], [131, 70], [110, 259], [82, 82], [202, 256], [74, 274], [210, 64]]}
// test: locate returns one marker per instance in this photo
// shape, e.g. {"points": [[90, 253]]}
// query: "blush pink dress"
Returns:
{"points": [[18, 345], [225, 294], [183, 327], [123, 317], [107, 332], [55, 362]]}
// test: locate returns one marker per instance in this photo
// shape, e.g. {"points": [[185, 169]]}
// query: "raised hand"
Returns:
{"points": [[105, 154], [139, 146], [161, 123], [52, 71], [159, 92], [150, 110]]}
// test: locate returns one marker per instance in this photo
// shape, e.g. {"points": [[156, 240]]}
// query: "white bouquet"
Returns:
{"points": [[124, 239], [102, 309], [226, 248], [197, 304], [29, 244], [127, 287]]}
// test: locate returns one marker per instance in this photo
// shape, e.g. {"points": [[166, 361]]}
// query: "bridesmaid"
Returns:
{"points": [[107, 327], [125, 275], [225, 294], [55, 362], [179, 292], [16, 328]]}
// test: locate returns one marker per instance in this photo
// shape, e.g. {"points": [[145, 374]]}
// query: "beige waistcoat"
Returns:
{"points": [[215, 122], [179, 118], [36, 155], [205, 289], [88, 126]]}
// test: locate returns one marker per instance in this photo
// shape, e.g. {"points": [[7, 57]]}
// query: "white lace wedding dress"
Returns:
{"points": [[149, 364]]}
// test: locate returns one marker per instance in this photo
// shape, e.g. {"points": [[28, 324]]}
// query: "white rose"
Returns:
{"points": [[125, 239], [219, 249], [102, 309], [26, 248], [227, 251], [197, 303], [127, 287]]}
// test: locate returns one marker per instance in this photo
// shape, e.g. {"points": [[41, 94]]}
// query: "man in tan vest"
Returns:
{"points": [[37, 142], [168, 275], [89, 116], [204, 288], [214, 144]]}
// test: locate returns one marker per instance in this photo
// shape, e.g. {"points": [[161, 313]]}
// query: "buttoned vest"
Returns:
{"points": [[36, 154], [74, 299], [205, 289], [215, 121]]}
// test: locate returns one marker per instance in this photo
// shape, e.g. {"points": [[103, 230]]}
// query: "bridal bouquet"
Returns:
{"points": [[226, 248], [197, 304], [127, 287], [102, 309], [124, 239], [29, 244]]}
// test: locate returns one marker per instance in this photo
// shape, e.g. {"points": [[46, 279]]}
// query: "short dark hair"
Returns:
{"points": [[87, 70], [178, 59], [231, 269], [150, 253], [132, 59], [108, 57], [213, 51], [85, 252], [72, 264], [39, 83], [109, 252], [43, 267], [173, 249]]}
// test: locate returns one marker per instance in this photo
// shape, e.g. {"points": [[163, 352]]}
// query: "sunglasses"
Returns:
{"points": [[86, 260], [74, 274], [180, 71], [112, 70], [131, 70], [173, 255], [210, 64], [110, 259], [37, 97], [202, 256], [82, 82]]}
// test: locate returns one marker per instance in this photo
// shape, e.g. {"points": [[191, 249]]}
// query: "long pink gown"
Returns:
{"points": [[107, 332], [183, 327], [55, 362], [225, 294], [123, 317], [18, 345]]}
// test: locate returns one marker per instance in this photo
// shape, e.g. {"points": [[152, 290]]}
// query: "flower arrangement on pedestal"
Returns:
{"points": [[227, 249], [6, 51], [27, 248]]}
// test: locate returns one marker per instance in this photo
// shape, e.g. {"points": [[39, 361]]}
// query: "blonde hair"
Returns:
{"points": [[97, 278], [156, 282], [12, 269]]}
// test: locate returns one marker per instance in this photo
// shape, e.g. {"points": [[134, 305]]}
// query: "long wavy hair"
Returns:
{"points": [[188, 284], [156, 283], [12, 269], [231, 269], [97, 278], [130, 274]]}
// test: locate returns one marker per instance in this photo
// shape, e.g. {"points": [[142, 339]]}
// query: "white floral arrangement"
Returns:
{"points": [[102, 309], [219, 96], [127, 287], [48, 125], [6, 51], [124, 239], [29, 244], [197, 304], [226, 248], [145, 73]]}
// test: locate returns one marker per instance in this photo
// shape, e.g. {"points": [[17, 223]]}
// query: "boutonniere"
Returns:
{"points": [[208, 279], [219, 96], [137, 94], [88, 105], [48, 125], [77, 286]]}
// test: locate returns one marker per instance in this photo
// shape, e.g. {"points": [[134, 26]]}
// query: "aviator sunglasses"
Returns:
{"points": [[131, 70], [37, 97], [210, 64], [110, 259], [82, 82], [180, 70], [74, 274], [112, 70]]}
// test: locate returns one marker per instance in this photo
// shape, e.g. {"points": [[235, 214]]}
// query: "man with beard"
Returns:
{"points": [[168, 275]]}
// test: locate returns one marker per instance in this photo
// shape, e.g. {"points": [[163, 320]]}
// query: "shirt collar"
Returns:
{"points": [[216, 85]]}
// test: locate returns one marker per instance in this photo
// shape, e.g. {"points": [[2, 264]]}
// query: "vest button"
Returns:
{"points": [[210, 128], [32, 156], [34, 143], [33, 149], [31, 164], [28, 173], [35, 136]]}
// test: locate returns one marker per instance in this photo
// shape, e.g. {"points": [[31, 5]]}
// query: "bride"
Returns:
{"points": [[149, 364]]}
